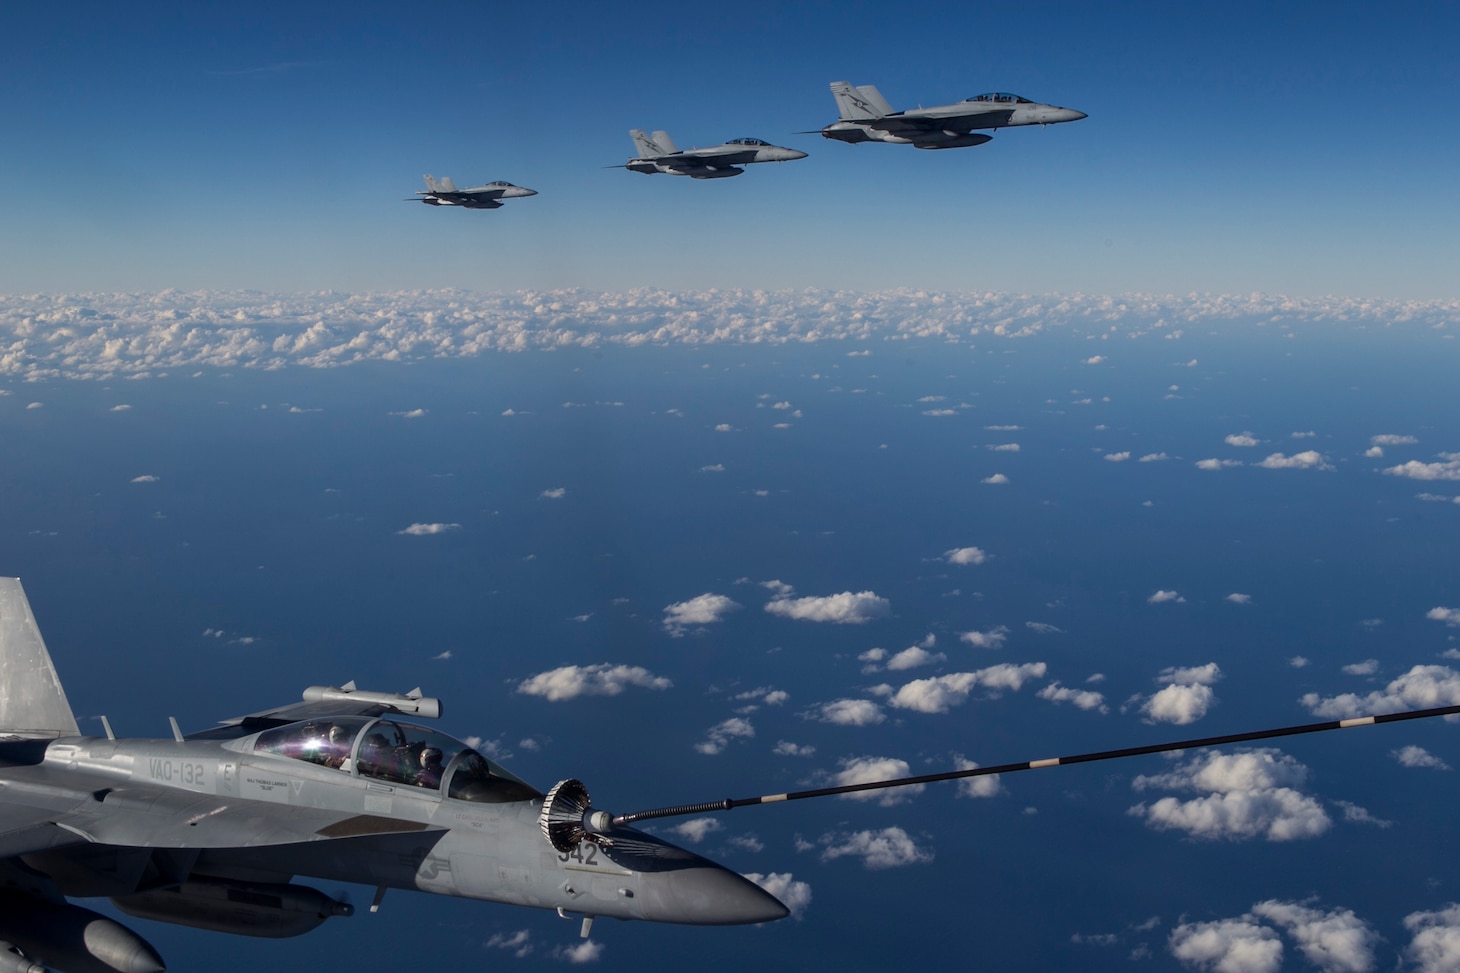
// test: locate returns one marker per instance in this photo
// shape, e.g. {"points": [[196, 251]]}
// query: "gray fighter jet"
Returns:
{"points": [[212, 829], [443, 192], [867, 117], [657, 153]]}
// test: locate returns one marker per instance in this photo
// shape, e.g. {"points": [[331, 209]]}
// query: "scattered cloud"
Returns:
{"points": [[1333, 941], [1389, 439], [1179, 704], [1243, 795], [1163, 596], [1043, 628], [1366, 668], [718, 737], [518, 943], [976, 787], [426, 530], [705, 609], [1309, 459], [1227, 946], [696, 830], [1203, 675], [1448, 468], [603, 679], [1413, 756], [1120, 457], [793, 893], [994, 638], [120, 408], [1003, 447], [1085, 699], [554, 493], [1450, 616], [1422, 687], [913, 657], [888, 848], [411, 414], [868, 770], [965, 555], [96, 337], [1237, 598], [1216, 464], [1435, 947], [1153, 458], [146, 478], [847, 608], [1094, 360], [848, 712], [1298, 661], [939, 694], [785, 748], [1242, 439], [998, 479], [586, 951]]}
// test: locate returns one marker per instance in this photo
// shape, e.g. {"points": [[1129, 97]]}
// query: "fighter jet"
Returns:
{"points": [[867, 117], [657, 153], [443, 192], [212, 829]]}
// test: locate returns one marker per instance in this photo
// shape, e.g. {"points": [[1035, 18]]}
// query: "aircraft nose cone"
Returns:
{"points": [[1070, 115], [718, 897], [794, 154]]}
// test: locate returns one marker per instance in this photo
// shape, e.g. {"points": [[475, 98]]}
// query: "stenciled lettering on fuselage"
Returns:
{"points": [[189, 774]]}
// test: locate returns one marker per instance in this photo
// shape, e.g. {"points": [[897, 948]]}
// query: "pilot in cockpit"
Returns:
{"points": [[430, 773]]}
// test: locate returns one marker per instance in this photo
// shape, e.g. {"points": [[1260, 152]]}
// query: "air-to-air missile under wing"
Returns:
{"points": [[867, 117], [443, 192], [657, 153]]}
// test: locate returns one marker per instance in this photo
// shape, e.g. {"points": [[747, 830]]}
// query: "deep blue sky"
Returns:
{"points": [[1303, 149]]}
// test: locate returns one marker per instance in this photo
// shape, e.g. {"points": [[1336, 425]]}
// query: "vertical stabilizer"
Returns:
{"points": [[652, 146], [32, 702], [859, 104]]}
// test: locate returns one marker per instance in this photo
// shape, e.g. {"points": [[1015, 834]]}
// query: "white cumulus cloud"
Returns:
{"points": [[1448, 468], [987, 785], [849, 712], [793, 893], [1162, 596], [1309, 459], [146, 478], [1413, 756], [847, 608], [913, 657], [888, 848], [965, 555], [1244, 795], [1086, 699], [1227, 946], [994, 638], [938, 694], [1422, 687], [1242, 439], [718, 737], [1435, 947], [867, 770], [998, 479], [1179, 704], [603, 679], [705, 609], [1389, 439], [426, 530], [1450, 616], [696, 830]]}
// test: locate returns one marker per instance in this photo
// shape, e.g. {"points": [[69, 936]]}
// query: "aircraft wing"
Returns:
{"points": [[913, 122]]}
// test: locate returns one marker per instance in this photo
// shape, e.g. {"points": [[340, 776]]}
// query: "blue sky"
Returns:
{"points": [[1304, 150]]}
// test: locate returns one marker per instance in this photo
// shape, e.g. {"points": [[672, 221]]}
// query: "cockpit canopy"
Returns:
{"points": [[747, 141], [399, 753], [1001, 98]]}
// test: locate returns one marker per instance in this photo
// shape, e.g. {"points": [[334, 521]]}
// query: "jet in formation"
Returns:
{"points": [[215, 829], [657, 153], [443, 192], [865, 116]]}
